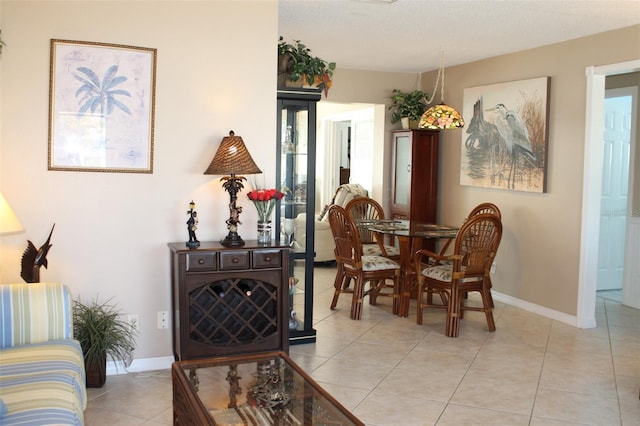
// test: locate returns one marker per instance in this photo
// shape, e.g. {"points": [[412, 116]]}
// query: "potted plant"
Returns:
{"points": [[296, 63], [409, 105], [101, 332]]}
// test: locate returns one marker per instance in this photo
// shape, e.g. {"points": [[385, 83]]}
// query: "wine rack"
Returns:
{"points": [[233, 312]]}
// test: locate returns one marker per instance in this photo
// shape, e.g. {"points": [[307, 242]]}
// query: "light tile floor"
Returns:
{"points": [[391, 371]]}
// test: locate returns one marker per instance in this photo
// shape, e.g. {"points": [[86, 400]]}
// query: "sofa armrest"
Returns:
{"points": [[35, 313]]}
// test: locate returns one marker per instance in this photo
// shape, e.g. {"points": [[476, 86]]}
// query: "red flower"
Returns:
{"points": [[265, 195], [264, 200]]}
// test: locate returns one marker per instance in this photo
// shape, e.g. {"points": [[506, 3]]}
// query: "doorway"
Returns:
{"points": [[592, 187], [619, 125], [343, 144], [350, 136]]}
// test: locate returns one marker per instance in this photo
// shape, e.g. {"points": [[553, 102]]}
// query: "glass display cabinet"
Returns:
{"points": [[296, 169]]}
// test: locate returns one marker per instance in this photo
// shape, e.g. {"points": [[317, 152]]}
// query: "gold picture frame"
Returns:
{"points": [[101, 107]]}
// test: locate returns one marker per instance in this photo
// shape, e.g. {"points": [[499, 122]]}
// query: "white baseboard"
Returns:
{"points": [[163, 363], [541, 310], [140, 365]]}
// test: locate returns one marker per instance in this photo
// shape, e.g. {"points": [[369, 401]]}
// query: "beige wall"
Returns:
{"points": [[539, 254], [215, 72], [112, 229]]}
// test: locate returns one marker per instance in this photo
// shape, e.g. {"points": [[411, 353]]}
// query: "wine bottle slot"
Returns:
{"points": [[244, 288], [218, 290]]}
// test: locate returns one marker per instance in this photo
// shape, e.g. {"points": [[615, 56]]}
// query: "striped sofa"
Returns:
{"points": [[42, 378]]}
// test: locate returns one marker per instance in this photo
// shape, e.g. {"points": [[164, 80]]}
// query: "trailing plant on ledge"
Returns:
{"points": [[303, 65]]}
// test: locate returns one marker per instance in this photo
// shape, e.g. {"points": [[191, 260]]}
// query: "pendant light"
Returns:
{"points": [[440, 116]]}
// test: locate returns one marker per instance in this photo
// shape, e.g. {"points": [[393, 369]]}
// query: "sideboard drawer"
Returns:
{"points": [[201, 262], [266, 259], [231, 260]]}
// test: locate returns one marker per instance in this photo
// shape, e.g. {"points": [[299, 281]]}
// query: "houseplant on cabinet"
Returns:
{"points": [[409, 106], [296, 64], [101, 332]]}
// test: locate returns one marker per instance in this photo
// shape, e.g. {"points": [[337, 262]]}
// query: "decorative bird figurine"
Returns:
{"points": [[33, 259]]}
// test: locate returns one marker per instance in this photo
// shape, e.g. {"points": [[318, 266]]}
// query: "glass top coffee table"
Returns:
{"points": [[256, 389]]}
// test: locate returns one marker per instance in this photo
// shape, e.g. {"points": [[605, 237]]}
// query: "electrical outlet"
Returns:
{"points": [[163, 319], [493, 268], [134, 322]]}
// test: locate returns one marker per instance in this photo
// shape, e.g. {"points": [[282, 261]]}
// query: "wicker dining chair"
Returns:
{"points": [[475, 247], [489, 208], [362, 269], [486, 208], [479, 209], [367, 209]]}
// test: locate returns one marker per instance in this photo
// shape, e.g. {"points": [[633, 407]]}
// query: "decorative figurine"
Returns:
{"points": [[192, 225], [33, 259], [234, 386], [269, 390]]}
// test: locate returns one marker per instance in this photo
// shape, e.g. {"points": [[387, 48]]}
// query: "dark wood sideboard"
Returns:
{"points": [[228, 301]]}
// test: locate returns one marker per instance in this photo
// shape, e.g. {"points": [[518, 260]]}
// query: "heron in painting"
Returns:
{"points": [[514, 131], [484, 135]]}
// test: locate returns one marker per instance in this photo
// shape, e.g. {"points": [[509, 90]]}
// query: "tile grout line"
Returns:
{"points": [[546, 348], [613, 364]]}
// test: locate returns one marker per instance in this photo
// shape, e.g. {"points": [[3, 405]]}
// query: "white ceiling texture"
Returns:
{"points": [[409, 35]]}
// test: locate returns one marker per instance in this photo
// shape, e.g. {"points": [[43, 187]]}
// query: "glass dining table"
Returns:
{"points": [[410, 235]]}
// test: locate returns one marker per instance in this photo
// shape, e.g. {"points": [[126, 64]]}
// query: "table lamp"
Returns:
{"points": [[9, 223], [232, 159]]}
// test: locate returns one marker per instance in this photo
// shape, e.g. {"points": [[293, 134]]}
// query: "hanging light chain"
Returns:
{"points": [[439, 79]]}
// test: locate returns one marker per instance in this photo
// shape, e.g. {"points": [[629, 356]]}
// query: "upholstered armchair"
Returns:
{"points": [[324, 243]]}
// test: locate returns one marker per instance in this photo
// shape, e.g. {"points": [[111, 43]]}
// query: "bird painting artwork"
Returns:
{"points": [[506, 139], [515, 135], [33, 259]]}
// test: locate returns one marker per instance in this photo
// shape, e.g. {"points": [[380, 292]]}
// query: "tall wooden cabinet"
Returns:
{"points": [[414, 184], [296, 169]]}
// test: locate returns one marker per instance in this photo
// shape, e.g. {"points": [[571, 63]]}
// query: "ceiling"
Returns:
{"points": [[409, 35]]}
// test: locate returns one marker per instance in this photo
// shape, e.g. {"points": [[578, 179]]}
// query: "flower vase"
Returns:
{"points": [[264, 232]]}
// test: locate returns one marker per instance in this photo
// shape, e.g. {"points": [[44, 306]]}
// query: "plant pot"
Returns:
{"points": [[283, 75], [284, 81], [96, 372], [283, 63], [408, 123]]}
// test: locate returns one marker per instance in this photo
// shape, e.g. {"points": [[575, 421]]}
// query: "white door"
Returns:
{"points": [[615, 189]]}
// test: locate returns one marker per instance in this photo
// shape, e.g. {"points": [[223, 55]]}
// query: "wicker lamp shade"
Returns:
{"points": [[232, 158]]}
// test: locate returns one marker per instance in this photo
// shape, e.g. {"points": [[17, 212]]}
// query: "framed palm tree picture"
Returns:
{"points": [[101, 107]]}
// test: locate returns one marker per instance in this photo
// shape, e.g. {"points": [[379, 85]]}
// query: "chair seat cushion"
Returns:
{"points": [[377, 263], [442, 272], [374, 250]]}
